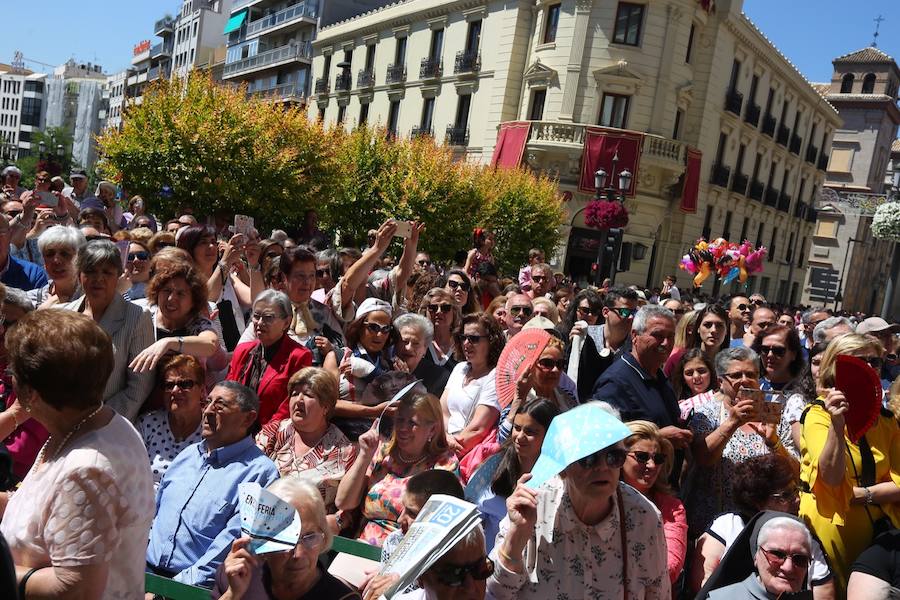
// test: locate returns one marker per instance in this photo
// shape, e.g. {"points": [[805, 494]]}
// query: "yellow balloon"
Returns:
{"points": [[704, 273]]}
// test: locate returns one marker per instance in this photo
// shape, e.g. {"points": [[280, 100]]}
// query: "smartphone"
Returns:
{"points": [[48, 199], [123, 251], [243, 224], [404, 229], [768, 406]]}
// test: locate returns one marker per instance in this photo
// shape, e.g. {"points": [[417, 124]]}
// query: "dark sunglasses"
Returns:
{"points": [[162, 245], [547, 364], [743, 307], [184, 384], [586, 310], [138, 255], [12, 214], [644, 457], [778, 351], [444, 308], [472, 339], [455, 575], [539, 278], [92, 238], [614, 458], [525, 310], [758, 303], [423, 263], [777, 558], [322, 272], [458, 284], [874, 362], [375, 328], [625, 313]]}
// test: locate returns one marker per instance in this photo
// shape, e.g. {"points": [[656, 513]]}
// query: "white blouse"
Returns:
{"points": [[462, 400]]}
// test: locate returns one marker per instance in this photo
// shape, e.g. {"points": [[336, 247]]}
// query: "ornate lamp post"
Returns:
{"points": [[607, 213]]}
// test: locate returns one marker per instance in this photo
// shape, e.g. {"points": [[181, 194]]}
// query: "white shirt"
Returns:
{"points": [[162, 448], [462, 400]]}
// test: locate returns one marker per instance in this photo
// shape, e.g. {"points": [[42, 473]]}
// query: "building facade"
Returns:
{"points": [[671, 76], [74, 95], [849, 268], [22, 110]]}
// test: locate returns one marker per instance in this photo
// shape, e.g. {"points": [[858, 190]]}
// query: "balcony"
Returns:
{"points": [[282, 93], [365, 79], [720, 175], [165, 24], [457, 136], [751, 117], [160, 72], [822, 165], [161, 49], [771, 197], [291, 14], [467, 62], [768, 125], [734, 100], [811, 153], [784, 202], [321, 86], [418, 132], [739, 183], [395, 74], [271, 58], [431, 68], [783, 136], [756, 190], [796, 142], [343, 82], [239, 4]]}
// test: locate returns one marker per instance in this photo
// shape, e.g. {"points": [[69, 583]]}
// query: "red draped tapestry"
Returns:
{"points": [[511, 142], [690, 192], [600, 146]]}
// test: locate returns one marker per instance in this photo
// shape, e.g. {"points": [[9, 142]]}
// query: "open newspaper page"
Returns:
{"points": [[443, 521]]}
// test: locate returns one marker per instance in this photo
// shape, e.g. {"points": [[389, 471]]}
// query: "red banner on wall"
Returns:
{"points": [[600, 146], [511, 142], [690, 192]]}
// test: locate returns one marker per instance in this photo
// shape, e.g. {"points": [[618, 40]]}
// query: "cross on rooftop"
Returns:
{"points": [[878, 22]]}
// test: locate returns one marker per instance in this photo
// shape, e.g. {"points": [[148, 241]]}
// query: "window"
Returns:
{"points": [[437, 44], [744, 229], [628, 24], [690, 44], [868, 86], [676, 131], [370, 58], [735, 75], [400, 52], [739, 165], [427, 115], [754, 85], [726, 230], [759, 234], [536, 113], [393, 117], [363, 113], [801, 253], [473, 37], [326, 67], [789, 254], [826, 229], [614, 111], [31, 112], [551, 23], [720, 150], [772, 244], [769, 101], [321, 114], [462, 111], [348, 56], [847, 83], [342, 112]]}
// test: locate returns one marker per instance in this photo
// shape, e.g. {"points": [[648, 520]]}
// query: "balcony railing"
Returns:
{"points": [[291, 13], [395, 74], [756, 190], [431, 68], [365, 79], [161, 49], [796, 143], [811, 153], [283, 92], [302, 50], [752, 114], [322, 86], [720, 175], [822, 165], [768, 125], [734, 100], [163, 25], [418, 132], [739, 183], [159, 72], [467, 62], [457, 136], [343, 82], [783, 136], [784, 202], [771, 197]]}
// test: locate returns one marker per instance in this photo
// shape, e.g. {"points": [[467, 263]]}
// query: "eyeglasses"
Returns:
{"points": [[538, 278], [455, 575], [471, 338], [138, 256], [586, 310], [264, 319], [777, 558], [375, 328], [547, 364], [423, 263], [759, 303], [614, 458], [453, 284], [444, 308], [523, 310], [873, 361], [625, 313], [183, 384], [644, 457], [321, 272], [12, 214], [778, 351], [738, 375], [311, 540], [786, 495]]}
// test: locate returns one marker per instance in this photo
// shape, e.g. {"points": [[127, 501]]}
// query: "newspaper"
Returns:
{"points": [[441, 524]]}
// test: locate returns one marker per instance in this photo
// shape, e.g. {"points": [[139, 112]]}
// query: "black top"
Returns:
{"points": [[434, 377], [636, 394], [882, 559], [327, 588]]}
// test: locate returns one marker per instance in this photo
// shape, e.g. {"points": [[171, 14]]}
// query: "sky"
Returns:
{"points": [[809, 32]]}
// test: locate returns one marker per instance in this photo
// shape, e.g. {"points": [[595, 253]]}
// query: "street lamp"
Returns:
{"points": [[610, 239]]}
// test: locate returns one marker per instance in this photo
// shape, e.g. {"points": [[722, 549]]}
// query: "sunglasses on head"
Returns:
{"points": [[455, 575], [777, 558], [644, 457], [547, 364], [625, 313], [778, 351], [184, 384], [375, 328], [453, 284], [524, 310], [444, 308], [613, 458]]}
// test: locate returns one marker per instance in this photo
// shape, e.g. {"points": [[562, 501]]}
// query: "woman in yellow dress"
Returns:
{"points": [[846, 501]]}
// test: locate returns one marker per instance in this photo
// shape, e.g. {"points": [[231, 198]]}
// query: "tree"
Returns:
{"points": [[57, 165], [193, 142]]}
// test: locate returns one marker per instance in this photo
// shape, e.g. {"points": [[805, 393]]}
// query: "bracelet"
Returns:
{"points": [[870, 497], [24, 582], [509, 559]]}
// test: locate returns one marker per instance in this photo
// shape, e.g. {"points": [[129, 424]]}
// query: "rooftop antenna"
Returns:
{"points": [[878, 22]]}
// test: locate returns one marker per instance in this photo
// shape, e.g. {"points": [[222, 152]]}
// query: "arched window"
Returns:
{"points": [[847, 83], [869, 84]]}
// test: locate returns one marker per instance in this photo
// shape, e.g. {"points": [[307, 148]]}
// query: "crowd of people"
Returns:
{"points": [[150, 367]]}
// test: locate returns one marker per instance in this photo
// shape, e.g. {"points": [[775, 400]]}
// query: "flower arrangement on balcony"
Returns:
{"points": [[724, 259], [886, 222], [605, 214]]}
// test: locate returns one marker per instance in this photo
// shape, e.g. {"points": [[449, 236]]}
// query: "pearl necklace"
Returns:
{"points": [[79, 425], [411, 461]]}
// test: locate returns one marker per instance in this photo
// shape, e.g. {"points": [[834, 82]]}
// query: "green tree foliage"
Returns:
{"points": [[53, 164]]}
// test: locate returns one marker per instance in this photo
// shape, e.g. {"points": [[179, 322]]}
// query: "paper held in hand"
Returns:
{"points": [[442, 523], [272, 524]]}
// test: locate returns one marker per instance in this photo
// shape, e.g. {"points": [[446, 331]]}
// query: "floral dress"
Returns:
{"points": [[384, 500]]}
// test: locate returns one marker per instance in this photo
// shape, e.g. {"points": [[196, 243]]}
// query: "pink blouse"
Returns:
{"points": [[675, 528]]}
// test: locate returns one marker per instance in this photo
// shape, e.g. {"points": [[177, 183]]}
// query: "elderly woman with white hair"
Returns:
{"points": [[416, 334], [59, 246], [292, 574]]}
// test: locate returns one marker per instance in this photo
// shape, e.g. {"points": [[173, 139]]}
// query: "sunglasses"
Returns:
{"points": [[743, 307], [586, 310], [777, 558], [455, 575], [625, 313], [547, 364], [93, 238], [759, 303], [138, 256], [778, 351], [444, 308], [471, 338], [13, 214], [786, 495], [184, 384], [874, 362], [523, 310], [423, 263], [644, 457], [264, 319], [375, 328], [322, 272], [458, 284], [539, 278], [614, 458]]}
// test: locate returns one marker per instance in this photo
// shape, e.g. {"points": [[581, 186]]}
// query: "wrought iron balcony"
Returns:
{"points": [[467, 62], [784, 202], [739, 183], [457, 136], [771, 197], [768, 125], [720, 175], [343, 82], [295, 12], [822, 165], [273, 57], [283, 92], [811, 153], [322, 86], [751, 116], [812, 215], [365, 79], [734, 100], [796, 143], [756, 190], [784, 135], [431, 68], [395, 74], [418, 132]]}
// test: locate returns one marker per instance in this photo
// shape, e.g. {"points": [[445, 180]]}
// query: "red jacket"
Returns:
{"points": [[273, 386]]}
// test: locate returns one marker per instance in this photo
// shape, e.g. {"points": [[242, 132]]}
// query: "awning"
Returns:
{"points": [[235, 22]]}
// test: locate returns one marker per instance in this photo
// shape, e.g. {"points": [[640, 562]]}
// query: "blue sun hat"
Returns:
{"points": [[572, 435]]}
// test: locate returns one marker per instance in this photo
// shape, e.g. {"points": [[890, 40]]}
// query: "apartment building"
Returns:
{"points": [[22, 109], [116, 91], [74, 97]]}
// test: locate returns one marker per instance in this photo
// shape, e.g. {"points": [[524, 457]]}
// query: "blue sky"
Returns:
{"points": [[809, 32]]}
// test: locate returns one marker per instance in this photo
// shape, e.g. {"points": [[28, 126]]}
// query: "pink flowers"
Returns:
{"points": [[604, 214]]}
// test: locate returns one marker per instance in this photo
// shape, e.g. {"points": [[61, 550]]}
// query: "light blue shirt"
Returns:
{"points": [[197, 512]]}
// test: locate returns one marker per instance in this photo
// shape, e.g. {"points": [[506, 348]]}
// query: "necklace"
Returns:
{"points": [[410, 461], [79, 425]]}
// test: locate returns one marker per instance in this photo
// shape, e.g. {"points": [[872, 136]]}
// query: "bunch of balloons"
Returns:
{"points": [[726, 259]]}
